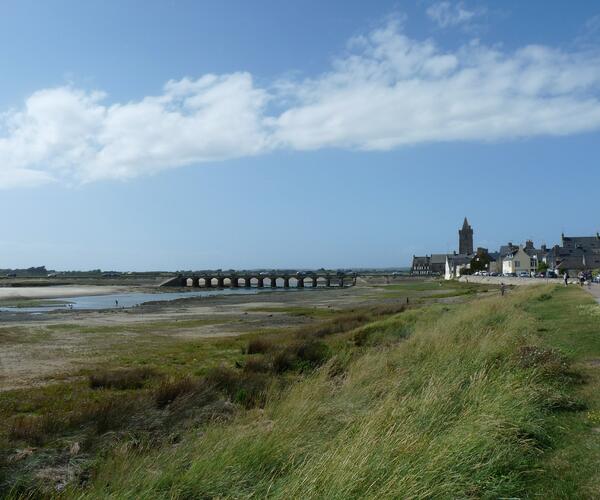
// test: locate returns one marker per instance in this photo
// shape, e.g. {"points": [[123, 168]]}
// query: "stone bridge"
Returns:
{"points": [[274, 279]]}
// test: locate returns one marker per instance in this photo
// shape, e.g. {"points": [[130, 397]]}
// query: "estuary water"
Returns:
{"points": [[127, 299]]}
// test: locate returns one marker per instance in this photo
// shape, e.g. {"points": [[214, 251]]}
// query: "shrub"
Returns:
{"points": [[259, 346], [282, 361], [223, 378], [251, 390], [172, 388], [259, 365], [126, 378], [388, 309], [312, 352], [247, 388], [111, 414], [341, 324], [33, 429], [550, 361]]}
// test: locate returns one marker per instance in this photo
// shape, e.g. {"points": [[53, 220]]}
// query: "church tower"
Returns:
{"points": [[465, 239]]}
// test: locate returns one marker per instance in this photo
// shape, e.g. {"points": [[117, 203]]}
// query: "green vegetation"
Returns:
{"points": [[542, 267], [494, 397], [311, 312], [432, 289], [480, 262]]}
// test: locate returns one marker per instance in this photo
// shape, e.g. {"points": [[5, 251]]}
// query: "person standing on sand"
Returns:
{"points": [[502, 288]]}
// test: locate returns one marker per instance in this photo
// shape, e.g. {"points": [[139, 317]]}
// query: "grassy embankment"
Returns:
{"points": [[475, 402], [495, 397], [132, 394]]}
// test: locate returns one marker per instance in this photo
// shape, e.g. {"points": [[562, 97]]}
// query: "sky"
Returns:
{"points": [[147, 135]]}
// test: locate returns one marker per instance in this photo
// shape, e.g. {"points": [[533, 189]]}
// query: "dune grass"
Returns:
{"points": [[457, 402], [495, 397]]}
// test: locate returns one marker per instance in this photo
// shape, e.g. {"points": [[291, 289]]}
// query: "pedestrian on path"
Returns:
{"points": [[566, 278]]}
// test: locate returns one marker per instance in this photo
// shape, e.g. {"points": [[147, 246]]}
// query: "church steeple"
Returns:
{"points": [[465, 239]]}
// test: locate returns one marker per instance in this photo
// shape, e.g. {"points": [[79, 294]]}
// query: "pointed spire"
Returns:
{"points": [[465, 224]]}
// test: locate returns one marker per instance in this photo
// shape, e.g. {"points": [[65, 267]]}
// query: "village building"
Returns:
{"points": [[456, 264], [420, 266], [519, 261], [465, 239], [436, 264], [575, 254]]}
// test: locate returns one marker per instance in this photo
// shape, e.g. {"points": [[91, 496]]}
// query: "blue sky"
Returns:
{"points": [[177, 135]]}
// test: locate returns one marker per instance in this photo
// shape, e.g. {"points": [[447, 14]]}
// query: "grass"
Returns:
{"points": [[152, 390], [311, 312], [124, 378], [432, 289], [569, 321], [495, 397], [453, 402]]}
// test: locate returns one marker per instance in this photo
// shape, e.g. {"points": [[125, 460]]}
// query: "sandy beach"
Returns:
{"points": [[56, 292]]}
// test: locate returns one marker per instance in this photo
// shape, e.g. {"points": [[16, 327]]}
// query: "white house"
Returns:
{"points": [[455, 264], [517, 261]]}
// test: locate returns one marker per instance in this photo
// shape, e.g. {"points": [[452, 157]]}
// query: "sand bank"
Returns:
{"points": [[56, 292]]}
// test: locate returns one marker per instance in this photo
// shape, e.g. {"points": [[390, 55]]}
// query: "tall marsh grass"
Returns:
{"points": [[453, 411]]}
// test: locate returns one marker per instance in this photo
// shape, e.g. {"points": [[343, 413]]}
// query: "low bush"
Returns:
{"points": [[549, 361], [259, 365], [33, 429], [223, 378], [172, 388], [126, 378], [105, 415], [312, 352], [246, 387], [251, 390], [259, 346], [282, 361]]}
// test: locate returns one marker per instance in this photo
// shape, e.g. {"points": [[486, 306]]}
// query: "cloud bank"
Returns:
{"points": [[386, 92]]}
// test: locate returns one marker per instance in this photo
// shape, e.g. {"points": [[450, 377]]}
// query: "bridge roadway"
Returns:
{"points": [[275, 279]]}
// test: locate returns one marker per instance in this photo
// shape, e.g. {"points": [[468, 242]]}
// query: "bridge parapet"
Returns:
{"points": [[287, 279]]}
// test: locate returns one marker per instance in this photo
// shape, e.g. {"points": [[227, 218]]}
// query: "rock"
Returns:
{"points": [[74, 449]]}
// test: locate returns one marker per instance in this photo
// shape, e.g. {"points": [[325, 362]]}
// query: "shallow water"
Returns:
{"points": [[129, 299]]}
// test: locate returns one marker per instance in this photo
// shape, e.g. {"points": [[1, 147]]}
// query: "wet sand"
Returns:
{"points": [[56, 292]]}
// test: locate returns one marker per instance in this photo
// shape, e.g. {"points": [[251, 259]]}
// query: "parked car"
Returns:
{"points": [[597, 279], [524, 274]]}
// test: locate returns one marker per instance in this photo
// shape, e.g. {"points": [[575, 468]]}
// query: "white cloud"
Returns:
{"points": [[68, 134], [447, 14], [387, 92], [396, 91]]}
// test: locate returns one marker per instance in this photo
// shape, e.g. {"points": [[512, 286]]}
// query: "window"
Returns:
{"points": [[517, 263]]}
